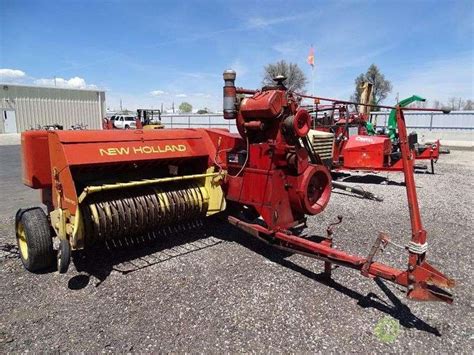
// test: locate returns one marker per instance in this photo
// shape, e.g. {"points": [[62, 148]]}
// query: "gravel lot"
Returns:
{"points": [[216, 289]]}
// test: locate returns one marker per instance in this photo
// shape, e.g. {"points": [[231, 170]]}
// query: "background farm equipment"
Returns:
{"points": [[144, 119], [358, 145], [114, 186], [150, 118]]}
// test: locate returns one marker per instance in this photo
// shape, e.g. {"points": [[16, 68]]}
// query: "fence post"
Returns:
{"points": [[189, 121], [209, 117], [171, 121], [431, 121]]}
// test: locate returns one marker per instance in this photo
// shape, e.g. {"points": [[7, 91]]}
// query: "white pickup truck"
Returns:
{"points": [[124, 121]]}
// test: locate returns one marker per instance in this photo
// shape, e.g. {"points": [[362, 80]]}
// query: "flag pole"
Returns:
{"points": [[314, 102], [310, 61]]}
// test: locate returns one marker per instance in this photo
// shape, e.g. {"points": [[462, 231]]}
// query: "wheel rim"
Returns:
{"points": [[21, 235], [59, 259]]}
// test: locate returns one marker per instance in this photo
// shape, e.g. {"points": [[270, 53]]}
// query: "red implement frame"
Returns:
{"points": [[423, 281]]}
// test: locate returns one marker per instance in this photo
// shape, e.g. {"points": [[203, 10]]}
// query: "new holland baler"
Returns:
{"points": [[114, 186], [350, 142]]}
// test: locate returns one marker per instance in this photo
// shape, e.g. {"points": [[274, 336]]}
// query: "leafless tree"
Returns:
{"points": [[420, 104], [295, 78], [468, 106], [452, 103]]}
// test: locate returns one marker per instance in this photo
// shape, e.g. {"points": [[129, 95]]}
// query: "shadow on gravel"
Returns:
{"points": [[341, 192], [371, 179], [78, 282], [132, 255], [397, 309], [100, 261], [375, 179], [9, 251]]}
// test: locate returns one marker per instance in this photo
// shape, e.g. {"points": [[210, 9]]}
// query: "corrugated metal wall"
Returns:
{"points": [[210, 120], [42, 106], [461, 120]]}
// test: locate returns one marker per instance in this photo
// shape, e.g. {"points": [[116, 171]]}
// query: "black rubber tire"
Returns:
{"points": [[39, 241], [127, 127], [63, 256]]}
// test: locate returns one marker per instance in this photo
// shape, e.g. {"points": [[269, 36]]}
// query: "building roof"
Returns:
{"points": [[48, 87]]}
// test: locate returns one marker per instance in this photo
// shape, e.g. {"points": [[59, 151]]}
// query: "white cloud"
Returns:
{"points": [[11, 73], [157, 93], [181, 95], [73, 83], [201, 94], [262, 22]]}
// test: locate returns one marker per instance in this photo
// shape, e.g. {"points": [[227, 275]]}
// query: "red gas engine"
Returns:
{"points": [[273, 174]]}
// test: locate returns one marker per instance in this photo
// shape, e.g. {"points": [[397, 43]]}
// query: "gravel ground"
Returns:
{"points": [[216, 289]]}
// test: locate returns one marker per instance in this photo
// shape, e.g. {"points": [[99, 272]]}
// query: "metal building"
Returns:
{"points": [[25, 107]]}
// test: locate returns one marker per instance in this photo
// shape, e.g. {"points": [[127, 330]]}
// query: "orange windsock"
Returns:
{"points": [[310, 58]]}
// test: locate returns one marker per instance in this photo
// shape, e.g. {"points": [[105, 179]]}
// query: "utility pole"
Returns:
{"points": [[172, 106], [120, 105]]}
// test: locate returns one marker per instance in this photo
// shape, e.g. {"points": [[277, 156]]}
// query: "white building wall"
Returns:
{"points": [[35, 106]]}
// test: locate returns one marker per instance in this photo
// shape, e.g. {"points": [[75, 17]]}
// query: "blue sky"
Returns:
{"points": [[152, 52]]}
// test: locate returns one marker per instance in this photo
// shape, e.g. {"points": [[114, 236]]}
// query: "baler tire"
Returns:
{"points": [[63, 256], [34, 239]]}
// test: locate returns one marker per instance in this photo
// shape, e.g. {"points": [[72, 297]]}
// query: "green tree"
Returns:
{"points": [[295, 78], [203, 111], [381, 87], [185, 107]]}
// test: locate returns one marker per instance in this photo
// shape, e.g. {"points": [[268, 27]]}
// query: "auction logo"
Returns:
{"points": [[387, 329]]}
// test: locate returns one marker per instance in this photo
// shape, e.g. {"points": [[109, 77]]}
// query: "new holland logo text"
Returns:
{"points": [[146, 149]]}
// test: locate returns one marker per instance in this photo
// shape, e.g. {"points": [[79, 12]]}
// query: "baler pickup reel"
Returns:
{"points": [[110, 186]]}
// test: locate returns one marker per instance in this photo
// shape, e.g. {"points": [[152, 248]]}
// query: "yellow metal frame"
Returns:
{"points": [[122, 185]]}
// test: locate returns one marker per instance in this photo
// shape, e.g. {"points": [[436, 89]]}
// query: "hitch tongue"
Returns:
{"points": [[425, 292], [426, 283]]}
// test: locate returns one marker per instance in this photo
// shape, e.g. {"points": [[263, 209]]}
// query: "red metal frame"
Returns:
{"points": [[423, 281]]}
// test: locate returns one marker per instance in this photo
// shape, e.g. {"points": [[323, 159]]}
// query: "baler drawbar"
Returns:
{"points": [[111, 186]]}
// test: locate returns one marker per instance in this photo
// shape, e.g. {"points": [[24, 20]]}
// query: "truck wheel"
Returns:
{"points": [[127, 127], [63, 256], [35, 243]]}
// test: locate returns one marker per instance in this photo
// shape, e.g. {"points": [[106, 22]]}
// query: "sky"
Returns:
{"points": [[148, 53]]}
